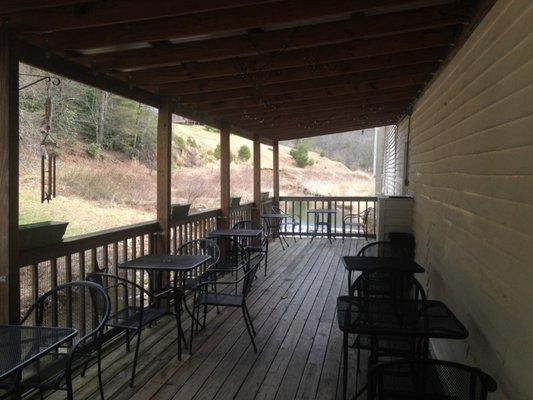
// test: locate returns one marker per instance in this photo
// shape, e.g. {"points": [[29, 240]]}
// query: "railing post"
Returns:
{"points": [[275, 172], [256, 209], [224, 177], [9, 181], [164, 154]]}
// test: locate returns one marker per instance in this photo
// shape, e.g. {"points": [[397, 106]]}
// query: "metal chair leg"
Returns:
{"points": [[281, 241], [250, 320], [128, 341], [344, 365], [193, 323], [100, 381], [70, 392], [178, 327], [136, 356], [249, 330]]}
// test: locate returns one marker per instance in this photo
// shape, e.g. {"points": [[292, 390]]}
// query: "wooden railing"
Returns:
{"points": [[194, 226], [242, 212], [44, 268], [297, 207]]}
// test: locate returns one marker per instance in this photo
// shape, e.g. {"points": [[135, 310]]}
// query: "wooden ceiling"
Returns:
{"points": [[280, 69]]}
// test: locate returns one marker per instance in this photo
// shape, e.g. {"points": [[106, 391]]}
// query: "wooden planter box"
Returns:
{"points": [[41, 234], [179, 211]]}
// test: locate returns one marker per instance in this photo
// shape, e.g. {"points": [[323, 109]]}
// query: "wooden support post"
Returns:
{"points": [[9, 184], [256, 210], [275, 172], [164, 154], [224, 177]]}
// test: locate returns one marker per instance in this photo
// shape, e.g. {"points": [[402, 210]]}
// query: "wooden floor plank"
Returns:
{"points": [[299, 344], [117, 366], [165, 363], [309, 381], [252, 380], [279, 365], [283, 311]]}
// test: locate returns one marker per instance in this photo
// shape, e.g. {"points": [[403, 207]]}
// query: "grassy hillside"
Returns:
{"points": [[112, 189]]}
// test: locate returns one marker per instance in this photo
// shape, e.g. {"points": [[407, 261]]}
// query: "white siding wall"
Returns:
{"points": [[471, 174]]}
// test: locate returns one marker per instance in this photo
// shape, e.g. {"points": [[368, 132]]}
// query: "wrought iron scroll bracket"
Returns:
{"points": [[55, 81]]}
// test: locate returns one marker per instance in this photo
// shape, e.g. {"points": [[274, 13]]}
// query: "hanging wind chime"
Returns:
{"points": [[48, 153], [48, 145]]}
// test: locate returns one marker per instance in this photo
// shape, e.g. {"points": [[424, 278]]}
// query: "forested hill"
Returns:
{"points": [[82, 113], [354, 149]]}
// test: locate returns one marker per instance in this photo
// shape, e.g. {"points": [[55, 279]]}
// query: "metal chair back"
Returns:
{"points": [[206, 247], [82, 305], [430, 379], [381, 249]]}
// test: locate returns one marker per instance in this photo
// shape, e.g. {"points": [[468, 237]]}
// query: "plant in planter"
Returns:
{"points": [[235, 201], [179, 211], [264, 196], [41, 234]]}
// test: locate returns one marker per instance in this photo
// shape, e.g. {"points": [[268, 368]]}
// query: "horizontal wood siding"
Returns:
{"points": [[471, 174]]}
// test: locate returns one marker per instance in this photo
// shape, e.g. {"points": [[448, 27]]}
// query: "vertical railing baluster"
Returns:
{"points": [[53, 284], [81, 261], [35, 284]]}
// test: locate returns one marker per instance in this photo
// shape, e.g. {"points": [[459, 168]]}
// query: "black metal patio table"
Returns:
{"points": [[21, 345], [393, 317], [177, 263], [249, 233], [371, 264], [320, 221]]}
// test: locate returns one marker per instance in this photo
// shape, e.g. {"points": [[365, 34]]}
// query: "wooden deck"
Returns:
{"points": [[299, 343]]}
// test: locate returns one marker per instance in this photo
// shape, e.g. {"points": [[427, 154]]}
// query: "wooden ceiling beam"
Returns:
{"points": [[372, 80], [101, 13], [14, 6], [367, 98], [36, 57], [296, 133], [318, 109], [212, 22], [315, 56], [263, 42], [321, 123], [265, 79], [297, 98], [319, 118]]}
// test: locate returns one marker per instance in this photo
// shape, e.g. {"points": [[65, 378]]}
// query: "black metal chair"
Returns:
{"points": [[204, 297], [133, 308], [249, 245], [233, 258], [206, 247], [381, 249], [377, 249], [289, 221], [398, 286], [190, 283], [430, 379], [358, 221], [83, 306]]}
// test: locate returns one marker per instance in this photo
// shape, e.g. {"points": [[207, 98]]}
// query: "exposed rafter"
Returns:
{"points": [[86, 14], [380, 79], [262, 42], [296, 12], [279, 69]]}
